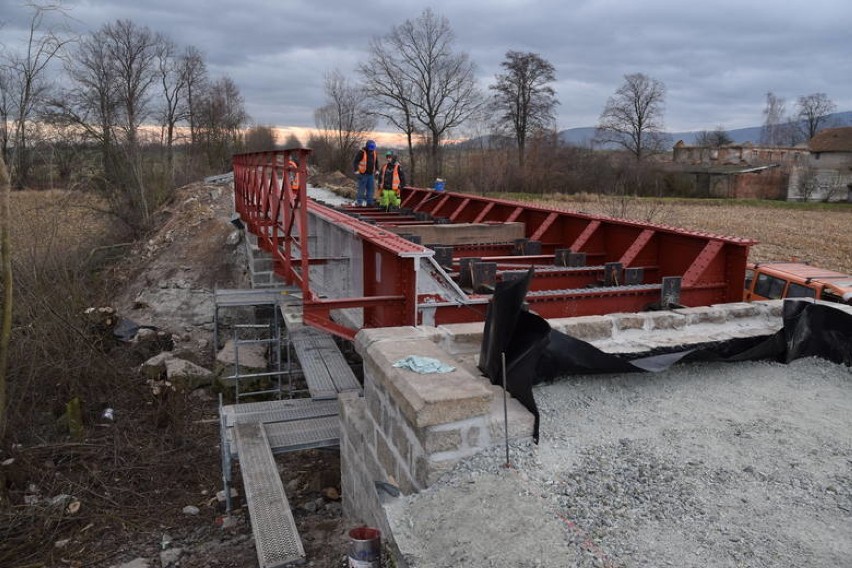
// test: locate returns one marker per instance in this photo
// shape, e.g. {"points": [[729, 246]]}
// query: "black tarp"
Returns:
{"points": [[535, 353]]}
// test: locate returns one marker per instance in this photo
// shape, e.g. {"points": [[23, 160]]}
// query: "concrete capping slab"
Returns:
{"points": [[424, 399], [461, 337], [365, 338]]}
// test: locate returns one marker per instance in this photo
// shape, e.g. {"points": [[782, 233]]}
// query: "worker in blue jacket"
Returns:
{"points": [[366, 166]]}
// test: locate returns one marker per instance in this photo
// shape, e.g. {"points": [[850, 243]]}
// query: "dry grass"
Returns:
{"points": [[55, 220]]}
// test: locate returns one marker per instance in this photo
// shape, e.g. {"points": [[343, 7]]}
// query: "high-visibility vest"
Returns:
{"points": [[395, 181], [294, 175], [362, 165]]}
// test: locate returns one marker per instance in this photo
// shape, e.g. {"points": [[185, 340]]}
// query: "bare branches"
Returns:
{"points": [[344, 120], [24, 87], [633, 117], [523, 98], [429, 85], [813, 111]]}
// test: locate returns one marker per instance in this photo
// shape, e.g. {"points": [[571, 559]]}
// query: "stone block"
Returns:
{"points": [[425, 399], [251, 356], [434, 440], [401, 442], [521, 420], [387, 459], [587, 328], [701, 314], [665, 320], [187, 375], [624, 322], [738, 310]]}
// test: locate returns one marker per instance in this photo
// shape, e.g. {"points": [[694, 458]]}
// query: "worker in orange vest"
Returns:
{"points": [[293, 172], [366, 166], [391, 180]]}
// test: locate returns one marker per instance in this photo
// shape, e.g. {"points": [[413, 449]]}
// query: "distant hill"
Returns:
{"points": [[584, 135]]}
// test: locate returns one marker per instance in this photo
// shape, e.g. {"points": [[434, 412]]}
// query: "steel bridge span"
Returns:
{"points": [[364, 267]]}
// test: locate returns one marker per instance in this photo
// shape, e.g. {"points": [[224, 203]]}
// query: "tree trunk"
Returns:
{"points": [[411, 159], [6, 327]]}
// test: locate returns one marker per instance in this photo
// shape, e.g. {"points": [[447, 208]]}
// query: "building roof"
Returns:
{"points": [[832, 140], [724, 169]]}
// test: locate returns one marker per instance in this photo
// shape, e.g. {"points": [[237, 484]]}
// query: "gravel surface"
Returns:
{"points": [[702, 465]]}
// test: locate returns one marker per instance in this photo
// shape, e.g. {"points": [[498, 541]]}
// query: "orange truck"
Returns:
{"points": [[774, 280]]}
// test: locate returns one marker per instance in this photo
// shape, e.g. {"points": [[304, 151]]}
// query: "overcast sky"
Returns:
{"points": [[717, 59]]}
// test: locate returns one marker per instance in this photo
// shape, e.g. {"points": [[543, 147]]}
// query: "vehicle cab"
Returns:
{"points": [[774, 280]]}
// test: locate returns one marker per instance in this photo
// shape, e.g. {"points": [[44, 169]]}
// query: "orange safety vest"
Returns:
{"points": [[294, 175], [362, 165], [395, 181]]}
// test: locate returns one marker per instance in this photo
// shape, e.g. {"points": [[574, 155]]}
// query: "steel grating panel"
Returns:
{"points": [[316, 373], [338, 369], [305, 434], [278, 411], [275, 536], [311, 352]]}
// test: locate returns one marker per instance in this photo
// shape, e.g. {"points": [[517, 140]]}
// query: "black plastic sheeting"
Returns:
{"points": [[535, 353]]}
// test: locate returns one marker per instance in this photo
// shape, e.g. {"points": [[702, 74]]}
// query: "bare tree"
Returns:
{"points": [[195, 73], [292, 141], [25, 81], [344, 120], [633, 117], [260, 139], [133, 52], [774, 124], [91, 101], [5, 113], [6, 321], [713, 139], [172, 76], [110, 81], [390, 96], [808, 183], [523, 98], [813, 111], [220, 119], [439, 83]]}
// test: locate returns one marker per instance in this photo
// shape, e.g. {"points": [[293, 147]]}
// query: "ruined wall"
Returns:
{"points": [[833, 173], [767, 184], [739, 154]]}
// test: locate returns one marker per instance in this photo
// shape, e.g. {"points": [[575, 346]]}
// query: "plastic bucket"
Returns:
{"points": [[439, 185], [365, 548]]}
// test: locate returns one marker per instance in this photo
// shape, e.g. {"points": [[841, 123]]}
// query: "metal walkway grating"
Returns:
{"points": [[304, 434], [326, 370], [278, 411], [276, 538]]}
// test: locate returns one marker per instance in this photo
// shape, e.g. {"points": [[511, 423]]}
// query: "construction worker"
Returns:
{"points": [[293, 172], [391, 180], [366, 166]]}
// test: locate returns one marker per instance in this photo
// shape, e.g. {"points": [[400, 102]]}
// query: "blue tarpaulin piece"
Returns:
{"points": [[424, 365]]}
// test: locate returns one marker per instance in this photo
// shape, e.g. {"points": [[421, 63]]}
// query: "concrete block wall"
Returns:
{"points": [[409, 428], [260, 264]]}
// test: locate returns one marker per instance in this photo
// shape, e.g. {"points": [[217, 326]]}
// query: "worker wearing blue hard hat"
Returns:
{"points": [[366, 167]]}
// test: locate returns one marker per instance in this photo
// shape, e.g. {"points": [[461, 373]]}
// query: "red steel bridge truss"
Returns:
{"points": [[356, 270]]}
